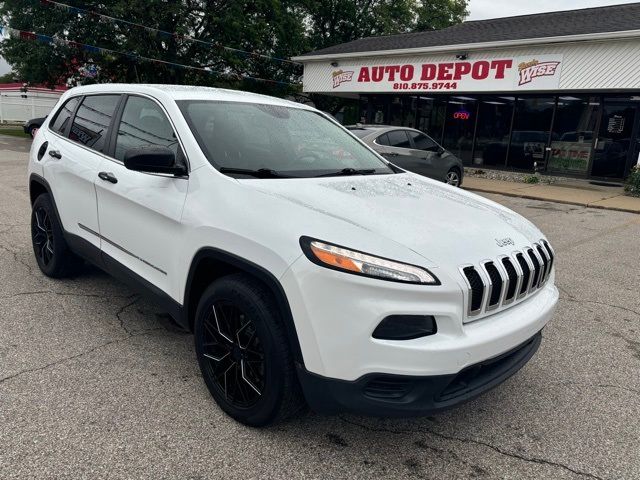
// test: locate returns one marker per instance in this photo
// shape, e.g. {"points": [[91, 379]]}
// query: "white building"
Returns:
{"points": [[19, 104], [561, 89]]}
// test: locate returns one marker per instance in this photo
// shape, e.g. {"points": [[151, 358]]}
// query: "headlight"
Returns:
{"points": [[359, 263]]}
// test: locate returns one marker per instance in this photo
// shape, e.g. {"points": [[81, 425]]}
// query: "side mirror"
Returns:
{"points": [[153, 159], [440, 151]]}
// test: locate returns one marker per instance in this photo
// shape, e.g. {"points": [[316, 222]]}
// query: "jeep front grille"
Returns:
{"points": [[497, 283]]}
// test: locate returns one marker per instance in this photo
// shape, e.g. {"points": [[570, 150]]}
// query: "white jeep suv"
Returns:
{"points": [[309, 268]]}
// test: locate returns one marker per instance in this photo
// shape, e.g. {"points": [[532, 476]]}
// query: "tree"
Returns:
{"points": [[438, 14], [9, 77], [276, 28]]}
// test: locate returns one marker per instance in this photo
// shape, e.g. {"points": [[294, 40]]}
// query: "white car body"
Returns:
{"points": [[155, 225]]}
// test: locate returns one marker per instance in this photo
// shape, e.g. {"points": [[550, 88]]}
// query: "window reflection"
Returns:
{"points": [[492, 135], [459, 127], [573, 133], [91, 122], [531, 129]]}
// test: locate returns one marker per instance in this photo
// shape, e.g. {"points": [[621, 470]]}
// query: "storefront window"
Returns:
{"points": [[378, 109], [531, 128], [459, 127], [492, 134], [402, 110], [431, 113], [573, 133], [617, 140]]}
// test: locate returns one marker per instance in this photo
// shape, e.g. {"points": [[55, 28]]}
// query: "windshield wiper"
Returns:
{"points": [[259, 173], [349, 171]]}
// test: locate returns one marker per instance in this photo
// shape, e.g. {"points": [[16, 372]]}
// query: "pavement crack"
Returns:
{"points": [[78, 355], [571, 298], [120, 312], [65, 294], [17, 258], [499, 450]]}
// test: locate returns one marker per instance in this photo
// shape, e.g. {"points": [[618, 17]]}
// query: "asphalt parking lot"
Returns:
{"points": [[96, 382]]}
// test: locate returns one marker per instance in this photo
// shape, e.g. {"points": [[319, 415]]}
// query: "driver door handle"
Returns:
{"points": [[55, 154], [108, 177], [391, 154]]}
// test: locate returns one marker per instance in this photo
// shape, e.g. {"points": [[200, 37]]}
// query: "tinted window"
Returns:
{"points": [[91, 123], [144, 123], [382, 139], [292, 141], [422, 142], [60, 122], [399, 139]]}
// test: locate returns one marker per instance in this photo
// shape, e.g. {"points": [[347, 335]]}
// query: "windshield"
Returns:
{"points": [[285, 141]]}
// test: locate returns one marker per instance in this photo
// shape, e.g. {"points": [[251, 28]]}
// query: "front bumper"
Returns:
{"points": [[398, 395], [335, 315]]}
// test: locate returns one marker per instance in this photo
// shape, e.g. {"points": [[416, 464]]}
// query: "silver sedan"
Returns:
{"points": [[412, 150]]}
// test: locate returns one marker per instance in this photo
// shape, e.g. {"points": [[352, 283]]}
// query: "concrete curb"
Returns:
{"points": [[567, 202]]}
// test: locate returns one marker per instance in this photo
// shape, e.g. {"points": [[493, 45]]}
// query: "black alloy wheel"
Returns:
{"points": [[453, 177], [42, 233], [243, 352], [233, 354], [50, 248]]}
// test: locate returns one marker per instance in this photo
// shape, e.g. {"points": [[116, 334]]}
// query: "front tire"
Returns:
{"points": [[243, 352], [453, 177], [52, 253]]}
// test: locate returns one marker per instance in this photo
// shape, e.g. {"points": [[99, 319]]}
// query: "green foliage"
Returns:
{"points": [[280, 28], [531, 179], [8, 78], [632, 186]]}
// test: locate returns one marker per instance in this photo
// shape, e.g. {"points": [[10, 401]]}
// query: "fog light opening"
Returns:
{"points": [[405, 327]]}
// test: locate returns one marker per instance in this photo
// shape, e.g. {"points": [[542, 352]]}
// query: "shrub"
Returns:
{"points": [[531, 179], [632, 186]]}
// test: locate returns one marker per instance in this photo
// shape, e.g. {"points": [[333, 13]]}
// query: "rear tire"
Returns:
{"points": [[244, 354], [52, 253], [32, 132]]}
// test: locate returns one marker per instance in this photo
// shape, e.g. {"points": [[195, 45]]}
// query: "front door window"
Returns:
{"points": [[616, 141]]}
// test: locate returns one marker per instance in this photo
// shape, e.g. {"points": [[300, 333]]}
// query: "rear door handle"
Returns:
{"points": [[55, 154], [108, 177]]}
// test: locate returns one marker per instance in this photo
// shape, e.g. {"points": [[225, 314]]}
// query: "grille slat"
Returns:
{"points": [[476, 288], [496, 284], [526, 273], [545, 264], [508, 279], [512, 275], [536, 268]]}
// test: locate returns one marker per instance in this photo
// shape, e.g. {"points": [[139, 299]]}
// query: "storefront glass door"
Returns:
{"points": [[617, 139]]}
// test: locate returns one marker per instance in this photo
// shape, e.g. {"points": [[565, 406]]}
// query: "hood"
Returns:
{"points": [[435, 220]]}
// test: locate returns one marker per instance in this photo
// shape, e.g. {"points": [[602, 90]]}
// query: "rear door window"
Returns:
{"points": [[61, 121], [422, 142], [91, 124], [399, 139]]}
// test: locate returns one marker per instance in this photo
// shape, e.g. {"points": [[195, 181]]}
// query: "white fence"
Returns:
{"points": [[14, 108]]}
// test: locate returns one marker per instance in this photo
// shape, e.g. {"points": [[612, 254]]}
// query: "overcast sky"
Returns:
{"points": [[481, 9]]}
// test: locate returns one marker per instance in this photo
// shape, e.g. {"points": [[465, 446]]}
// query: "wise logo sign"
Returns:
{"points": [[528, 71], [340, 77]]}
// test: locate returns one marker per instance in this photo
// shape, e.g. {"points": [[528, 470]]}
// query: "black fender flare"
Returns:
{"points": [[266, 277]]}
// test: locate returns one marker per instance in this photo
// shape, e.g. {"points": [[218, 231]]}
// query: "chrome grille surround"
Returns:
{"points": [[539, 252]]}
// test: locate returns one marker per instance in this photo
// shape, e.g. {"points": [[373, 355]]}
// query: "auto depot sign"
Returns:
{"points": [[540, 72]]}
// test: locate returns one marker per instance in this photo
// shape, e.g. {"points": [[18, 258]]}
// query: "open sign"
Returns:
{"points": [[461, 115]]}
